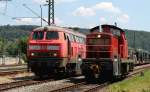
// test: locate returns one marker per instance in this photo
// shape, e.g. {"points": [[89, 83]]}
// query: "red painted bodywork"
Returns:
{"points": [[110, 44], [76, 48]]}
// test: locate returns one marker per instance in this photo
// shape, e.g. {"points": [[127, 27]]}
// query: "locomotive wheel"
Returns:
{"points": [[60, 73], [89, 78], [71, 69], [37, 74], [70, 72], [106, 75]]}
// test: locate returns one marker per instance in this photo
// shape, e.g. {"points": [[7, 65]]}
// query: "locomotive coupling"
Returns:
{"points": [[95, 68]]}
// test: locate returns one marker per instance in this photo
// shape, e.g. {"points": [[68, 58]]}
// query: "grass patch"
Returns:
{"points": [[135, 84]]}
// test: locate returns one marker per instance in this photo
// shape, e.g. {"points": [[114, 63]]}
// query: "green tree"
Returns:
{"points": [[12, 48], [22, 44]]}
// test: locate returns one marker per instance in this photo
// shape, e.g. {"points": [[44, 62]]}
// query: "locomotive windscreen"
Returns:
{"points": [[38, 35], [52, 35]]}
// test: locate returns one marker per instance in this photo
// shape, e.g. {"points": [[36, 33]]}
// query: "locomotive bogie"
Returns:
{"points": [[46, 65], [97, 68]]}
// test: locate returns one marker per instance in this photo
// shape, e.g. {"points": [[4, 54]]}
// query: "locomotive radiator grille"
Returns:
{"points": [[98, 51]]}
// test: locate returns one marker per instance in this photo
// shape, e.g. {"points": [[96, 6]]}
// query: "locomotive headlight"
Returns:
{"points": [[34, 47], [79, 59], [32, 54], [50, 47], [115, 60], [55, 54], [99, 36]]}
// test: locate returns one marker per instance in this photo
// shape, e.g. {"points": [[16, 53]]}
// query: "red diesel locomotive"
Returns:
{"points": [[106, 53], [55, 49]]}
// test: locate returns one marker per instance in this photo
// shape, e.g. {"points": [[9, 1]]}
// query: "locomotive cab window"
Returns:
{"points": [[71, 38], [77, 39], [52, 35], [38, 35], [115, 32]]}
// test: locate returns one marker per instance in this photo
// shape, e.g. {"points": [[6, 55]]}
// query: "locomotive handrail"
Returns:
{"points": [[98, 45], [98, 51], [98, 58]]}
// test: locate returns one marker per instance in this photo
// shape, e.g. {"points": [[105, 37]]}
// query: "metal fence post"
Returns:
{"points": [[3, 59]]}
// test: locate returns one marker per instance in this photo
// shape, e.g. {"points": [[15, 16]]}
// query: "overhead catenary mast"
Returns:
{"points": [[6, 4], [34, 12], [51, 19], [51, 14], [5, 0]]}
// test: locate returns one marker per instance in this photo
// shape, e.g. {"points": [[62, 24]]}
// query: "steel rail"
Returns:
{"points": [[93, 89]]}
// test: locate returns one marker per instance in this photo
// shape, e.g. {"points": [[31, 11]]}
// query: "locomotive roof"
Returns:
{"points": [[56, 28], [112, 26], [95, 33]]}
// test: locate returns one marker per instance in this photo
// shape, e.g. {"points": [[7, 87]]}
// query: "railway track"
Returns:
{"points": [[14, 65], [12, 69], [27, 82], [79, 86], [84, 87], [13, 72], [12, 85], [138, 70]]}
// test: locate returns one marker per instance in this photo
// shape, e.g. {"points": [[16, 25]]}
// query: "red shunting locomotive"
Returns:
{"points": [[55, 49], [106, 53]]}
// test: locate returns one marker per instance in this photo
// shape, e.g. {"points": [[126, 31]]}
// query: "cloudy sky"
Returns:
{"points": [[130, 14]]}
